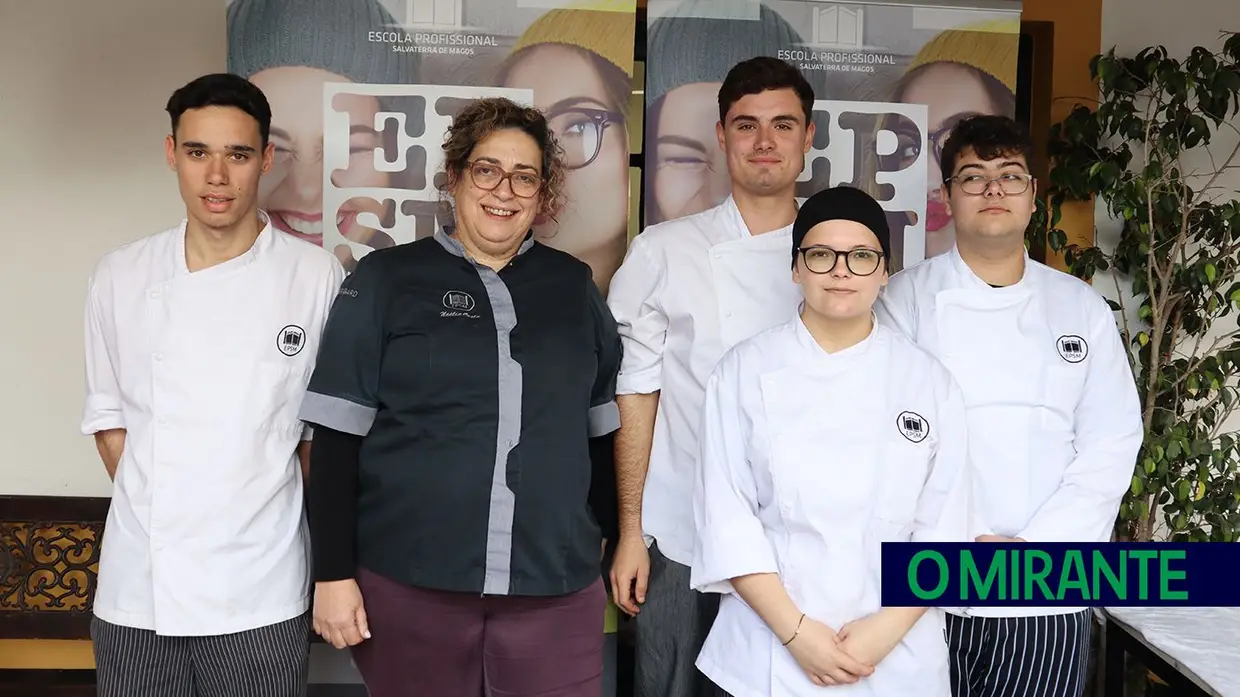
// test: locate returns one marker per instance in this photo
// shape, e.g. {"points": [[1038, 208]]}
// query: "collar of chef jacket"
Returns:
{"points": [[966, 278], [815, 353], [446, 237], [262, 243]]}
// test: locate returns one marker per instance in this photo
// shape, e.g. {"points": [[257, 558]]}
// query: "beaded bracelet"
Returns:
{"points": [[798, 630]]}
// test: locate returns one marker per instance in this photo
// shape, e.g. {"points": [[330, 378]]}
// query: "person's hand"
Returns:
{"points": [[338, 613], [630, 572], [997, 538], [820, 654], [870, 638]]}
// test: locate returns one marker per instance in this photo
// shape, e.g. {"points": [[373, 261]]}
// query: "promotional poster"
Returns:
{"points": [[363, 90], [890, 80]]}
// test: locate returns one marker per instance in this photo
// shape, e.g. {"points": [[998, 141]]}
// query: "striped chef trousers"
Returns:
{"points": [[1019, 656], [271, 661]]}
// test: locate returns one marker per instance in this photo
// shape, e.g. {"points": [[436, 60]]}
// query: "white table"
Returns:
{"points": [[1196, 650]]}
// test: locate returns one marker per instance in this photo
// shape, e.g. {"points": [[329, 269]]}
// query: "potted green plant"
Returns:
{"points": [[1149, 152]]}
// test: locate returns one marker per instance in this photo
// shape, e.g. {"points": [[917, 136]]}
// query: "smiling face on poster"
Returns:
{"points": [[362, 92], [889, 80], [579, 65]]}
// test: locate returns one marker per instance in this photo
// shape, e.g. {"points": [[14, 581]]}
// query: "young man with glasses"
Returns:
{"points": [[821, 439], [1054, 421], [688, 290]]}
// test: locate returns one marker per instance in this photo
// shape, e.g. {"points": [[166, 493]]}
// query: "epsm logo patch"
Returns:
{"points": [[1072, 348], [913, 426], [459, 301], [291, 340]]}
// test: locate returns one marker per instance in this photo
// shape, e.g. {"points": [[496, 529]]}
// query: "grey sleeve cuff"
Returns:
{"points": [[339, 414], [604, 419]]}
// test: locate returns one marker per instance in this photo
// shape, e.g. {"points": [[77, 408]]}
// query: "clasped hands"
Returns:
{"points": [[844, 657]]}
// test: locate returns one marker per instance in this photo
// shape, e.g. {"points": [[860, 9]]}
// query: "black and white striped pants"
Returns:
{"points": [[1019, 656], [271, 661]]}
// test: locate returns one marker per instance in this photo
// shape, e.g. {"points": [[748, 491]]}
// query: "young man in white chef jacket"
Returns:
{"points": [[1054, 420], [823, 438], [687, 291], [200, 342]]}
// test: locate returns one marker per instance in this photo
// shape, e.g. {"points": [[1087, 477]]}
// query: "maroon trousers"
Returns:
{"points": [[427, 643]]}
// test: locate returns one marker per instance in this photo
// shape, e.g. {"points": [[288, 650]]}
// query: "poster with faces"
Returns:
{"points": [[362, 92], [907, 72]]}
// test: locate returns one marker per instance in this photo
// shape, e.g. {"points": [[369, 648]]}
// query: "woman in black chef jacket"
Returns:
{"points": [[462, 404]]}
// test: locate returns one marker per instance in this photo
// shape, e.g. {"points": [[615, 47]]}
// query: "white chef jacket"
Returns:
{"points": [[688, 290], [809, 461], [1054, 419], [205, 371]]}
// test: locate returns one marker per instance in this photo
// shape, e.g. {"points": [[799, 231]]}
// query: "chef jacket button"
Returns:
{"points": [[154, 295], [159, 356]]}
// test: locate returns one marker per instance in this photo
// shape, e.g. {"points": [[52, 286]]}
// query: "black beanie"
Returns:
{"points": [[841, 203]]}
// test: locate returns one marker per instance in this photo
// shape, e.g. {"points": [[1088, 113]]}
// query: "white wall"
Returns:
{"points": [[82, 92]]}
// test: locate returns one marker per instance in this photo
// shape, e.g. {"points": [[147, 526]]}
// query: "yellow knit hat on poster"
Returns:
{"points": [[608, 34], [991, 46]]}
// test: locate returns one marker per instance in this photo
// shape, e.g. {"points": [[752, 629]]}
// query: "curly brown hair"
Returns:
{"points": [[480, 119]]}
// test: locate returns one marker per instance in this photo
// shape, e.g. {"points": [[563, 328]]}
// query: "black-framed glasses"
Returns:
{"points": [[580, 132], [822, 259], [1010, 183], [487, 176]]}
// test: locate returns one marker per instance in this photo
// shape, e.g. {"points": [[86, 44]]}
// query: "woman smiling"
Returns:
{"points": [[454, 480]]}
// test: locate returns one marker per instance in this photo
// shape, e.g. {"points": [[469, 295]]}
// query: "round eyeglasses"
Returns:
{"points": [[860, 261], [580, 132], [1010, 183], [487, 176]]}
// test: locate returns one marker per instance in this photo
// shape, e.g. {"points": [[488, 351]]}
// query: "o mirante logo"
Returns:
{"points": [[1025, 574]]}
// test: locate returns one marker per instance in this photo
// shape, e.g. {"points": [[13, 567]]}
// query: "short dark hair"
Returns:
{"points": [[482, 117], [757, 75], [221, 89], [989, 137]]}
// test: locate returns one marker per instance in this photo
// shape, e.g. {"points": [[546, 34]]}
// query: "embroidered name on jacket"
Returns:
{"points": [[913, 426]]}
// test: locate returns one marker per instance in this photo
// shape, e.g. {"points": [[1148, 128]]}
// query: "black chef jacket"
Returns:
{"points": [[476, 394]]}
